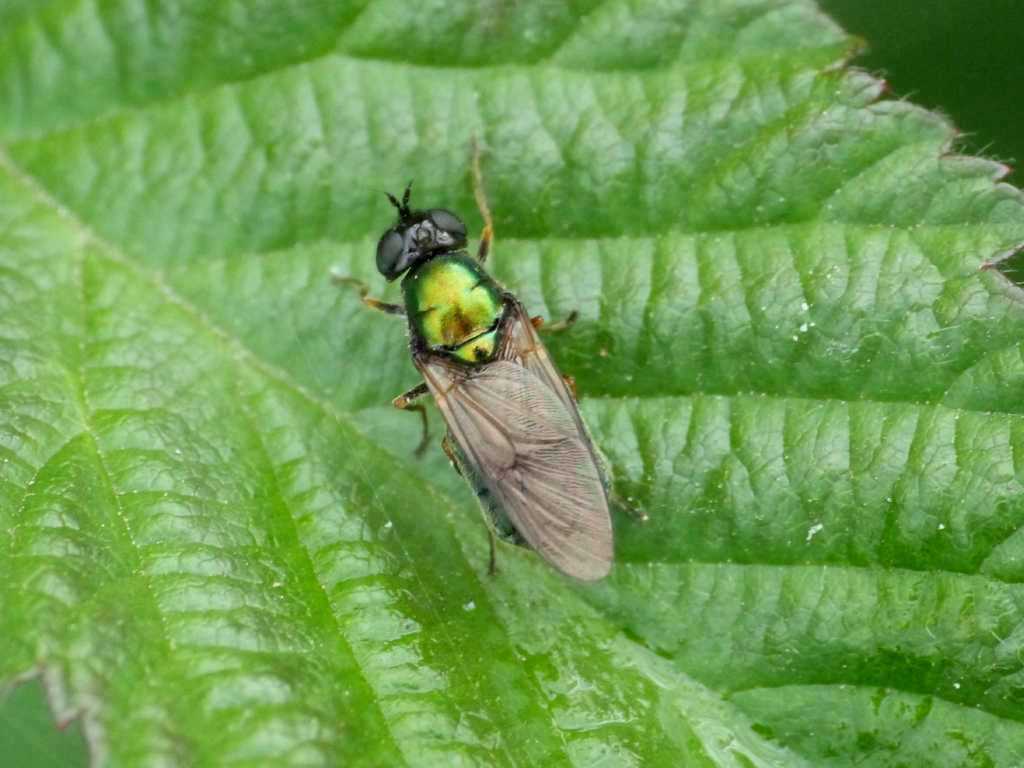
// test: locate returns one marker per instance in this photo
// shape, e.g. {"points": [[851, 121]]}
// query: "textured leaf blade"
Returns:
{"points": [[219, 548]]}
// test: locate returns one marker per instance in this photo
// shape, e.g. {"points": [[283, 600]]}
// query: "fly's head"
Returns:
{"points": [[417, 235]]}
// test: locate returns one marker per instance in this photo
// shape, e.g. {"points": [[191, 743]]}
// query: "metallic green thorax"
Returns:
{"points": [[454, 306]]}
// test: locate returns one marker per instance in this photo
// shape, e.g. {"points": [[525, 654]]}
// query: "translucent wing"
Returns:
{"points": [[526, 446], [522, 345]]}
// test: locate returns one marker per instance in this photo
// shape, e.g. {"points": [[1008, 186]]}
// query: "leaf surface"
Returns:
{"points": [[220, 549]]}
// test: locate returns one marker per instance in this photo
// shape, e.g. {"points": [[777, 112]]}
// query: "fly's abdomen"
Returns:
{"points": [[454, 307]]}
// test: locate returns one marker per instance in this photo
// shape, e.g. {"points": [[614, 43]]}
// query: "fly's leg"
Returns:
{"points": [[446, 446], [570, 382], [626, 505], [405, 402], [361, 287], [562, 325], [492, 563], [481, 493], [481, 203]]}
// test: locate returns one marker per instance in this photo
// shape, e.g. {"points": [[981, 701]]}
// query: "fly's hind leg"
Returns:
{"points": [[446, 446], [570, 382], [492, 563], [405, 402], [481, 203], [481, 493], [564, 324], [363, 289], [626, 505], [615, 499]]}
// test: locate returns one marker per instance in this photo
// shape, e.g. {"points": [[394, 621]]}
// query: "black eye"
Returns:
{"points": [[446, 221], [389, 249]]}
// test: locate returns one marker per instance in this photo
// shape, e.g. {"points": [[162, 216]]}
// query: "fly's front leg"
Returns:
{"points": [[405, 402], [481, 203], [359, 285]]}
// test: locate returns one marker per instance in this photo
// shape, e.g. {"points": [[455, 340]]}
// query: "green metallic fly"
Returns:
{"points": [[514, 429]]}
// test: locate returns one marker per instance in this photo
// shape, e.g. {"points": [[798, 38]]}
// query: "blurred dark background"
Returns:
{"points": [[958, 56]]}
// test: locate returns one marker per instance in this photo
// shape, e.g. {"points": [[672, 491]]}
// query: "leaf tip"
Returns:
{"points": [[1009, 265]]}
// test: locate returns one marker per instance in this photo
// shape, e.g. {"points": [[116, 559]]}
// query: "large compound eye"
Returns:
{"points": [[448, 223], [389, 250]]}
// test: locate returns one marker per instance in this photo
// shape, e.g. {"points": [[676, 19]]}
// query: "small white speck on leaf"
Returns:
{"points": [[470, 606], [942, 526], [388, 525], [804, 306], [804, 327], [814, 530]]}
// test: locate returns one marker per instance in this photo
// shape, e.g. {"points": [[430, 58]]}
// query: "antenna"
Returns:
{"points": [[403, 207]]}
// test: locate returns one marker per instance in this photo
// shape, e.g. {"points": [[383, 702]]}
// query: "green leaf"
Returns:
{"points": [[220, 549], [28, 736]]}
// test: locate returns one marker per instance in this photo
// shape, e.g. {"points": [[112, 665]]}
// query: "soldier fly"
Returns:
{"points": [[514, 429]]}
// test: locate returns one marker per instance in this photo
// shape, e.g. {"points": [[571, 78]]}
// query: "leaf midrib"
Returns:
{"points": [[84, 411], [315, 590]]}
